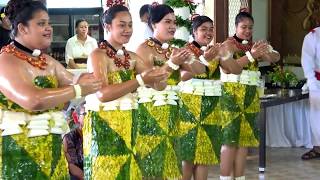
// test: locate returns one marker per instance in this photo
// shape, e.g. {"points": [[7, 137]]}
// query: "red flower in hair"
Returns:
{"points": [[194, 16], [111, 3], [154, 4]]}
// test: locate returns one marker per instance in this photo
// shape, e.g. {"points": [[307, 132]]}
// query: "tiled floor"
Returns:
{"points": [[282, 164]]}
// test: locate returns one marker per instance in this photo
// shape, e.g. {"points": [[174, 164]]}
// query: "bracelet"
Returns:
{"points": [[140, 80], [250, 58], [203, 60], [77, 90], [172, 65]]}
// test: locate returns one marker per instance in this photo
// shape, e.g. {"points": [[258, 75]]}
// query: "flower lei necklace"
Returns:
{"points": [[112, 52], [39, 61], [195, 48], [241, 44], [164, 48]]}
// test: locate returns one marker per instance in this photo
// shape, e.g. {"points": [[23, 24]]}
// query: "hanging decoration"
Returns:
{"points": [[183, 10]]}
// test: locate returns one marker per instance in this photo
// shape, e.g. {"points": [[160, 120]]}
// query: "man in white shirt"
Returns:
{"points": [[310, 60], [79, 46], [144, 16], [137, 37]]}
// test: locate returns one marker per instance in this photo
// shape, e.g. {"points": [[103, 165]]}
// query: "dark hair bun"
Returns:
{"points": [[14, 7]]}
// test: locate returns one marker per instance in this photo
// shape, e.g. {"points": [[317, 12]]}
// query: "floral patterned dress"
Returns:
{"points": [[31, 143]]}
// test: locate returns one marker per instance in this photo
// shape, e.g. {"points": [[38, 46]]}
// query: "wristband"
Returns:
{"points": [[140, 80], [250, 58], [77, 90], [172, 65], [203, 60]]}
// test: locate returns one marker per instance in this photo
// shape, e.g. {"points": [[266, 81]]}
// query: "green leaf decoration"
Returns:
{"points": [[178, 42], [183, 22], [17, 164], [187, 144], [215, 134], [252, 119], [56, 151], [124, 173], [186, 115], [173, 116], [126, 75], [231, 132], [43, 82], [147, 124], [208, 104], [108, 141], [181, 3], [227, 102], [154, 163], [249, 95]]}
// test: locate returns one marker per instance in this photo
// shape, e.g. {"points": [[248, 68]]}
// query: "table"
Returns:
{"points": [[280, 98]]}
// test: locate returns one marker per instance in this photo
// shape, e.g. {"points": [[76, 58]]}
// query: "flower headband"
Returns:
{"points": [[111, 3]]}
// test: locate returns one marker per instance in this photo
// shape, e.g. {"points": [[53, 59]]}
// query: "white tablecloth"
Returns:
{"points": [[288, 125]]}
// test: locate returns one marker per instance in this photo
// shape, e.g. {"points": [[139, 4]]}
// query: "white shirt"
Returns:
{"points": [[147, 31], [310, 58], [75, 49]]}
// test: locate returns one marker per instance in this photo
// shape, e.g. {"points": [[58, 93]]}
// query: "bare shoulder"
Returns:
{"points": [[8, 61], [143, 48], [134, 56]]}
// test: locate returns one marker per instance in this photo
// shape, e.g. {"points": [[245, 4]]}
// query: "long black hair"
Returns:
{"points": [[22, 11]]}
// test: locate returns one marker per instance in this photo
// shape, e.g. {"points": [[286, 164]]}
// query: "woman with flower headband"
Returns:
{"points": [[109, 130], [33, 86], [200, 137], [158, 111], [240, 101]]}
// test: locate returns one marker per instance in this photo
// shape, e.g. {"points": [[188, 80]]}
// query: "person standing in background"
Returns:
{"points": [[80, 46], [144, 16], [311, 66], [141, 30], [5, 28]]}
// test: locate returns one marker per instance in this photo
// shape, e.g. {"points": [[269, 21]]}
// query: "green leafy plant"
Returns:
{"points": [[178, 42], [283, 77], [181, 3], [183, 23]]}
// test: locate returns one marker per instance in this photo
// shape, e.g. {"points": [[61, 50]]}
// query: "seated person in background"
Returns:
{"points": [[72, 144], [5, 28], [79, 46]]}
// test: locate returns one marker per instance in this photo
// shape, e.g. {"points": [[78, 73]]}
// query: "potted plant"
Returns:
{"points": [[283, 77]]}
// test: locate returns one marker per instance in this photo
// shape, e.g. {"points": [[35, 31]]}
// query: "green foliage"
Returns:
{"points": [[183, 23], [285, 78], [178, 42], [181, 3]]}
